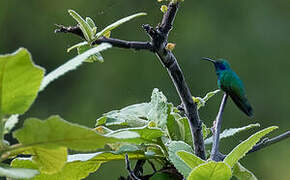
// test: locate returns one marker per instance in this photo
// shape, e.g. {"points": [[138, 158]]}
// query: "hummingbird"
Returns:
{"points": [[232, 85]]}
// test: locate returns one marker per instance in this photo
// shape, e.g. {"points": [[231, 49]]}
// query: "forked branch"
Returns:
{"points": [[159, 40]]}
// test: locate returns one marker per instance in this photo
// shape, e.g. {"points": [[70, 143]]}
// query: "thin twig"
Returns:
{"points": [[262, 144], [217, 129], [267, 142], [131, 173], [70, 29], [136, 45]]}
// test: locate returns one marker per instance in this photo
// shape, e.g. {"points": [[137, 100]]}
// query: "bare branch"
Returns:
{"points": [[70, 29], [262, 144], [215, 154], [267, 142], [136, 45]]}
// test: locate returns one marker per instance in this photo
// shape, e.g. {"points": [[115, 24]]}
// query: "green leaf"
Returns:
{"points": [[77, 45], [73, 170], [185, 130], [55, 132], [19, 173], [238, 152], [97, 57], [84, 26], [145, 133], [241, 173], [90, 22], [118, 23], [190, 159], [158, 110], [10, 123], [179, 164], [211, 171], [139, 114], [48, 161], [201, 101], [173, 128], [133, 116], [71, 65], [78, 166], [20, 79], [232, 131]]}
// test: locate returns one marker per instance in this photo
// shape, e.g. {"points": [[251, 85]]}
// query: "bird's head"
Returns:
{"points": [[220, 64]]}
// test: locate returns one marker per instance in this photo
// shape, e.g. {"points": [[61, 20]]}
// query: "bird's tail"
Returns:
{"points": [[243, 104]]}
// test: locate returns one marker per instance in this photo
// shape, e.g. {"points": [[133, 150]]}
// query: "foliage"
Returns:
{"points": [[152, 131]]}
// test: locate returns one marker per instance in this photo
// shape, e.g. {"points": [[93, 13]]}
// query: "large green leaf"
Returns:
{"points": [[78, 166], [71, 64], [231, 132], [139, 114], [238, 152], [179, 164], [211, 171], [74, 170], [117, 23], [133, 116], [20, 79], [241, 173], [190, 159], [19, 173], [49, 161], [55, 132]]}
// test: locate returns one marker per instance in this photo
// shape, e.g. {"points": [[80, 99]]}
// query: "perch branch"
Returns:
{"points": [[262, 144], [159, 40], [267, 142], [215, 154]]}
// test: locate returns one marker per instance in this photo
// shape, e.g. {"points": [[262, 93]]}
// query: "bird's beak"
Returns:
{"points": [[209, 59]]}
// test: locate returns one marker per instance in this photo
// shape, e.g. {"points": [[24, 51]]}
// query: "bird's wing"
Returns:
{"points": [[235, 88]]}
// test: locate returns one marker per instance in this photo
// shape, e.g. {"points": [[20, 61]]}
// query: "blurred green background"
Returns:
{"points": [[253, 35]]}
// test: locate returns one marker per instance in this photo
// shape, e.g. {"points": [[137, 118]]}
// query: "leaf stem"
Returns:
{"points": [[217, 129]]}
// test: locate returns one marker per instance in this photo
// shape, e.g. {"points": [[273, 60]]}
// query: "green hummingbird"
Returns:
{"points": [[231, 84]]}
